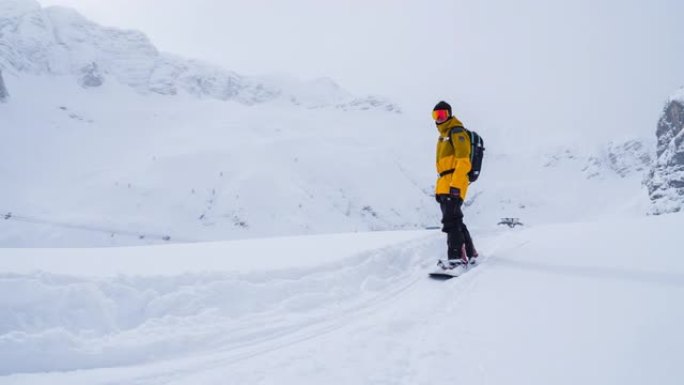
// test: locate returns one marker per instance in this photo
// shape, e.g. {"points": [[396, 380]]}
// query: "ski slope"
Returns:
{"points": [[588, 302]]}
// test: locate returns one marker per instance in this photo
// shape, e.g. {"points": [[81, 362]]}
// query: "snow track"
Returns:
{"points": [[58, 323], [532, 312]]}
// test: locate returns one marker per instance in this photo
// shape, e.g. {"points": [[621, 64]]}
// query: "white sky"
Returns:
{"points": [[603, 67]]}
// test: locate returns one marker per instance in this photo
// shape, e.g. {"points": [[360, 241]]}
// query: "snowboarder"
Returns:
{"points": [[453, 166]]}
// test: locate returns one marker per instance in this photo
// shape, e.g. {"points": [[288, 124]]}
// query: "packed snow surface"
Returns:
{"points": [[590, 303]]}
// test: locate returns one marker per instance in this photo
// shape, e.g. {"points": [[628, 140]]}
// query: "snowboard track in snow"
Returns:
{"points": [[127, 320]]}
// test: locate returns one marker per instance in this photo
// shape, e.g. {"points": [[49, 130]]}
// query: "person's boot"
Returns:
{"points": [[457, 262], [470, 247], [473, 256]]}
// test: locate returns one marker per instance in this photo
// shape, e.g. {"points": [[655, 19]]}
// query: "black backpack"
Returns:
{"points": [[476, 152]]}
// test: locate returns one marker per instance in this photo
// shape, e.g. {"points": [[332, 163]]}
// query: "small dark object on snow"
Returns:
{"points": [[510, 222]]}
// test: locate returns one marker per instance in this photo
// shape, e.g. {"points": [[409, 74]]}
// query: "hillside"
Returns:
{"points": [[106, 167]]}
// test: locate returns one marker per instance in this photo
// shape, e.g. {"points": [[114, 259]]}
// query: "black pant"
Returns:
{"points": [[458, 236]]}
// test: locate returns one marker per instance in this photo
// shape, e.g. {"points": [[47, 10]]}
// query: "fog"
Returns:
{"points": [[563, 69]]}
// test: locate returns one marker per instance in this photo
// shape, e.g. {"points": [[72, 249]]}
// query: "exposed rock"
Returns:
{"points": [[622, 158], [666, 179], [628, 157], [3, 90], [369, 103], [91, 76]]}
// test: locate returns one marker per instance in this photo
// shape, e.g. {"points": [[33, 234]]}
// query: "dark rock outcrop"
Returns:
{"points": [[91, 76], [666, 179], [3, 90]]}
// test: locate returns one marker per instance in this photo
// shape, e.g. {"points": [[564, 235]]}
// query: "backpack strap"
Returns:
{"points": [[456, 129], [453, 130], [473, 142]]}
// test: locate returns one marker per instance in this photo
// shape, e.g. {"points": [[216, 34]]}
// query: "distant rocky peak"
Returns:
{"points": [[670, 124]]}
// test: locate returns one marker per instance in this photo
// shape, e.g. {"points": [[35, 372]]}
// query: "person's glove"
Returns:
{"points": [[455, 192]]}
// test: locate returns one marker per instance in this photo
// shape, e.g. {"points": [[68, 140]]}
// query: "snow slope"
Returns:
{"points": [[587, 303], [116, 160], [111, 166]]}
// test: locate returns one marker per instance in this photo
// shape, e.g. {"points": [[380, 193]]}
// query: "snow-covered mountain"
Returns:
{"points": [[121, 162], [666, 179], [111, 166], [108, 166], [106, 141], [59, 41]]}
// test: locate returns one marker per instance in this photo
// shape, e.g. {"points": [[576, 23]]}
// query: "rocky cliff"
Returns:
{"points": [[666, 179], [3, 90]]}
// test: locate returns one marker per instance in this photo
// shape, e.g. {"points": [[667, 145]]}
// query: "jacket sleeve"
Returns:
{"points": [[462, 167], [460, 179]]}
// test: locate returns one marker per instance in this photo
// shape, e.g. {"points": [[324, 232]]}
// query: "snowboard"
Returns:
{"points": [[443, 272]]}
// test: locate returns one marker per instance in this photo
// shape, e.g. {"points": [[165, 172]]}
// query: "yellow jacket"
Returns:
{"points": [[453, 160]]}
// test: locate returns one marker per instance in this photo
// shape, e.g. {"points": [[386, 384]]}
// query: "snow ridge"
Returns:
{"points": [[128, 320], [60, 41]]}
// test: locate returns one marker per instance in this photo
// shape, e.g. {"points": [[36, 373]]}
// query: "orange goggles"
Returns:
{"points": [[440, 115]]}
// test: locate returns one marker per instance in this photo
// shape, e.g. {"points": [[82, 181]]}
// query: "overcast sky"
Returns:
{"points": [[603, 67]]}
